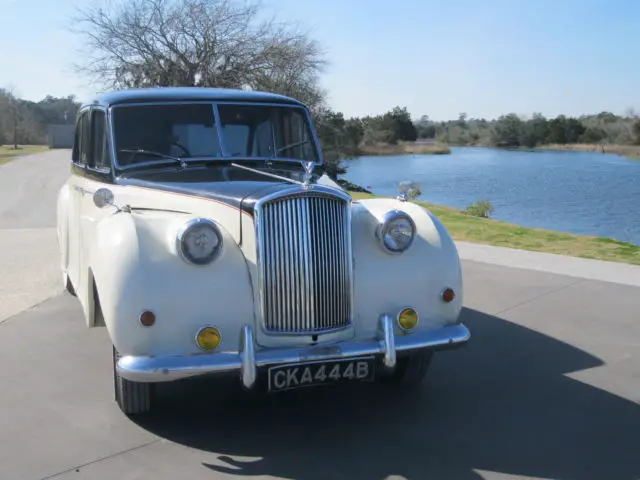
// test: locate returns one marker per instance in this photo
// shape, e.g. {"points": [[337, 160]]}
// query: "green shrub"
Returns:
{"points": [[414, 192], [482, 208]]}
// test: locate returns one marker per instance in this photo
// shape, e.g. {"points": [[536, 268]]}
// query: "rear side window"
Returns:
{"points": [[85, 139], [100, 149], [81, 152]]}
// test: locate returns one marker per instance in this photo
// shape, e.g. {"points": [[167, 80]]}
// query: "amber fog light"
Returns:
{"points": [[147, 318], [208, 338], [448, 295], [408, 318]]}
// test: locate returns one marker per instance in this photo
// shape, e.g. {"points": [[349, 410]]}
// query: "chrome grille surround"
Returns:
{"points": [[304, 261]]}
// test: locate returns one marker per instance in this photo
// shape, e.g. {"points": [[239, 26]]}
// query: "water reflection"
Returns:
{"points": [[577, 192]]}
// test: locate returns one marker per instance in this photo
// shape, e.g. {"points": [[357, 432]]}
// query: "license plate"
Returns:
{"points": [[288, 377]]}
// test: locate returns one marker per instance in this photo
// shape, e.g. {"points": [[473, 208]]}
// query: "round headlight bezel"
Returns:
{"points": [[184, 231], [384, 228]]}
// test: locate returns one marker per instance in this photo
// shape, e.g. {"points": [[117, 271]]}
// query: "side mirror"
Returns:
{"points": [[408, 190], [103, 197]]}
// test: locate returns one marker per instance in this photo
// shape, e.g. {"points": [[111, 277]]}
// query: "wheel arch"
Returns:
{"points": [[94, 312]]}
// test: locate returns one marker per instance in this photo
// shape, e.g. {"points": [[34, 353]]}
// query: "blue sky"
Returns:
{"points": [[438, 58]]}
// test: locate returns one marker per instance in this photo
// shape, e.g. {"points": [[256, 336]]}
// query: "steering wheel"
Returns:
{"points": [[186, 151]]}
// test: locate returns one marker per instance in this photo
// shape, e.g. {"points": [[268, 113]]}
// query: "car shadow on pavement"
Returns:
{"points": [[502, 403]]}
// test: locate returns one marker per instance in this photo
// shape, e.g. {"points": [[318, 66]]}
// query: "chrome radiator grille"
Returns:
{"points": [[304, 263]]}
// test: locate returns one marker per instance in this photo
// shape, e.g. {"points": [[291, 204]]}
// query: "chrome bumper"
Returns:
{"points": [[247, 360]]}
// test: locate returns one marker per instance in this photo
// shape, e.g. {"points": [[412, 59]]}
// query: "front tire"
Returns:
{"points": [[410, 370], [133, 398]]}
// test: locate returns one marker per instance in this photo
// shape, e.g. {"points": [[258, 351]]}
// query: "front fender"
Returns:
{"points": [[385, 283], [136, 267]]}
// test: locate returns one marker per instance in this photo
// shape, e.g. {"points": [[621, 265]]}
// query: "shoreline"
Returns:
{"points": [[404, 148], [632, 152], [487, 231], [629, 151]]}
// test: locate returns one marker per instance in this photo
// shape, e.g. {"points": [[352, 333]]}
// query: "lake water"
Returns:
{"points": [[577, 192]]}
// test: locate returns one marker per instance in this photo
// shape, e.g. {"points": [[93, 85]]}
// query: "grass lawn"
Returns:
{"points": [[493, 232], [7, 152]]}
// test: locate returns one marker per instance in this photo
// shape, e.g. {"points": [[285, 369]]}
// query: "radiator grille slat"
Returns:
{"points": [[304, 263]]}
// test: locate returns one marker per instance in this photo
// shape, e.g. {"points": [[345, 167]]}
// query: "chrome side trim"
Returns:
{"points": [[112, 138], [247, 362]]}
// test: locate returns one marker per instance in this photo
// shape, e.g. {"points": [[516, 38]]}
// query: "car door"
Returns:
{"points": [[97, 177], [76, 184]]}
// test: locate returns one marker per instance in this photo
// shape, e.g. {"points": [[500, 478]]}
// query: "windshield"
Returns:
{"points": [[144, 133], [164, 133], [263, 131]]}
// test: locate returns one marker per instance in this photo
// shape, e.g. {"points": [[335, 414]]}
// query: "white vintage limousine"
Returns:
{"points": [[198, 226]]}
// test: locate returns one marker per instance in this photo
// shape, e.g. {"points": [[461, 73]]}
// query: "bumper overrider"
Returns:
{"points": [[248, 360]]}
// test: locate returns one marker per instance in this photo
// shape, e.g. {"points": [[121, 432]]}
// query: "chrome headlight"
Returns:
{"points": [[396, 232], [199, 241]]}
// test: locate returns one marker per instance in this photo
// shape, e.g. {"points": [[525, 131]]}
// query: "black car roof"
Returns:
{"points": [[187, 94]]}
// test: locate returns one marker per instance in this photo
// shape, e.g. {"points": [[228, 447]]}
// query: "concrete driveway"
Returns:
{"points": [[548, 388], [28, 189]]}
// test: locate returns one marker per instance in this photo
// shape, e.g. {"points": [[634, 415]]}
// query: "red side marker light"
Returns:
{"points": [[147, 318], [448, 295]]}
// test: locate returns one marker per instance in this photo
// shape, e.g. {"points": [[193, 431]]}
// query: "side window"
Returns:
{"points": [[81, 139], [100, 154], [85, 143], [75, 156]]}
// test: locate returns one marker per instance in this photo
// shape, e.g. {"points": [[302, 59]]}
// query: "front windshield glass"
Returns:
{"points": [[166, 132], [178, 130], [264, 131]]}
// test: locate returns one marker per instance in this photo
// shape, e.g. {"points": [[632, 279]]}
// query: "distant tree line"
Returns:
{"points": [[23, 122], [342, 138], [514, 131]]}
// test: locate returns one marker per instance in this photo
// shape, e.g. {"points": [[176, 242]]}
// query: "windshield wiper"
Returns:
{"points": [[181, 161], [291, 145], [267, 174]]}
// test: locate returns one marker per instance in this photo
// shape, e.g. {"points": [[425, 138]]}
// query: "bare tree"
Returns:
{"points": [[214, 43]]}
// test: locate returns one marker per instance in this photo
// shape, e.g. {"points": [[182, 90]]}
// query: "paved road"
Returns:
{"points": [[548, 388], [28, 189]]}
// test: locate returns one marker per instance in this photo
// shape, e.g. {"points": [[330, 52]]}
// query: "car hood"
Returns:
{"points": [[241, 195], [237, 188]]}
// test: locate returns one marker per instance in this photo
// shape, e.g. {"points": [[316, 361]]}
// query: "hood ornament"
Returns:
{"points": [[306, 177], [308, 172]]}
